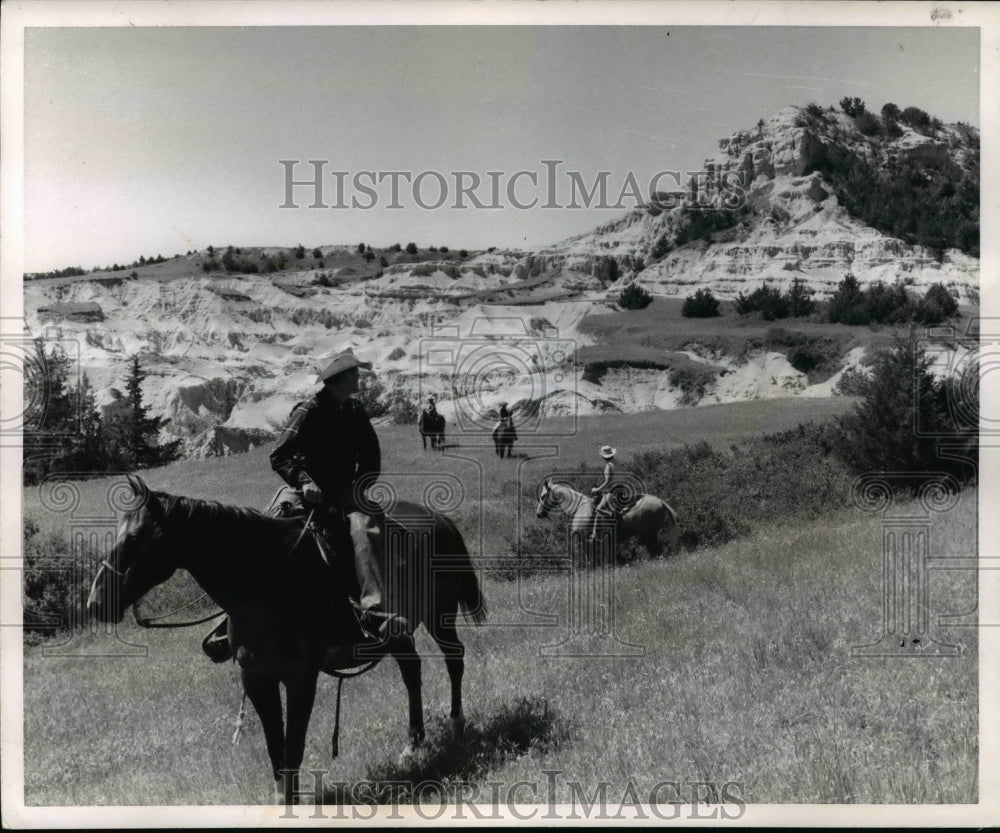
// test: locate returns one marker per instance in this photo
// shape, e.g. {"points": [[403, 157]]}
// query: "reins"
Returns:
{"points": [[154, 621]]}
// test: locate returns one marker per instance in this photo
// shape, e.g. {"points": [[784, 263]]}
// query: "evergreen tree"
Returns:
{"points": [[133, 432], [905, 415], [49, 415], [89, 451]]}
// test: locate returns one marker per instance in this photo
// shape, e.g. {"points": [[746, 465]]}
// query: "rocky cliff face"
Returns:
{"points": [[792, 224]]}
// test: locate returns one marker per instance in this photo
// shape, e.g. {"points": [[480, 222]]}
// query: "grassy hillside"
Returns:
{"points": [[485, 513], [747, 676], [659, 330]]}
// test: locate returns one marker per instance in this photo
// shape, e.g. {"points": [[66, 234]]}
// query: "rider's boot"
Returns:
{"points": [[385, 630]]}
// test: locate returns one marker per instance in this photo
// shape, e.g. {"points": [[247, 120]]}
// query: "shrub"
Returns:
{"points": [[814, 110], [906, 413], [661, 248], [891, 111], [915, 117], [634, 296], [463, 253], [411, 248], [692, 382], [852, 106], [701, 223], [54, 585], [700, 305], [766, 300], [361, 248], [852, 382], [937, 294], [397, 353], [800, 301], [443, 250], [868, 123]]}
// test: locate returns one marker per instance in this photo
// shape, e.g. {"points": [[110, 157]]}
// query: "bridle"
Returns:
{"points": [[154, 621], [547, 500]]}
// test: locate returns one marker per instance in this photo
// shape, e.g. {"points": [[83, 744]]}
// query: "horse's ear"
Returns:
{"points": [[139, 487]]}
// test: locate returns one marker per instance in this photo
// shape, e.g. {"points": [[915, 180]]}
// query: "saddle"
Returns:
{"points": [[620, 504], [287, 503]]}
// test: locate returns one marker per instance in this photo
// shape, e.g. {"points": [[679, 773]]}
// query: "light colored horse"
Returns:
{"points": [[643, 520]]}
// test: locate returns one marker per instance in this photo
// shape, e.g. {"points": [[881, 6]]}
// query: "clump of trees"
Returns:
{"points": [[932, 202], [69, 432], [881, 303], [771, 303]]}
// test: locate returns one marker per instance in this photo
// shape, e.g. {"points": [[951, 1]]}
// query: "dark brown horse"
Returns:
{"points": [[278, 593], [504, 436], [431, 425]]}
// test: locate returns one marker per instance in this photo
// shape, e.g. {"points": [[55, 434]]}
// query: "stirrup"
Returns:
{"points": [[217, 648]]}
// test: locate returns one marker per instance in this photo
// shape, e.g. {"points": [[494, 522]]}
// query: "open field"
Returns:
{"points": [[487, 484], [747, 676]]}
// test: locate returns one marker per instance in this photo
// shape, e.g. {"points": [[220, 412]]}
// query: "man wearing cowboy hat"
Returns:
{"points": [[330, 452], [605, 489]]}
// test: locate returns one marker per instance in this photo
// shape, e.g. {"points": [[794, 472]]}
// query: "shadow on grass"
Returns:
{"points": [[448, 763]]}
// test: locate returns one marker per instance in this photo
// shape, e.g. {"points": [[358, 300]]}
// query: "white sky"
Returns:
{"points": [[144, 141]]}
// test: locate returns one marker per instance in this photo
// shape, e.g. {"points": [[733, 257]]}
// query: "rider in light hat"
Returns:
{"points": [[604, 490]]}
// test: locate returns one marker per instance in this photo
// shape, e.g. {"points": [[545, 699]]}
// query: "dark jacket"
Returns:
{"points": [[333, 445]]}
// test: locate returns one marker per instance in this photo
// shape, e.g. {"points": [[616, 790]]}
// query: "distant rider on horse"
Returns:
{"points": [[330, 452], [428, 422], [504, 430], [604, 493]]}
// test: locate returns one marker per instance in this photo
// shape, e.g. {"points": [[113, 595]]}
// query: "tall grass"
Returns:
{"points": [[747, 675]]}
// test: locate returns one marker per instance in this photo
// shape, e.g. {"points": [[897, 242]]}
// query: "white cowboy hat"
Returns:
{"points": [[344, 360], [607, 452]]}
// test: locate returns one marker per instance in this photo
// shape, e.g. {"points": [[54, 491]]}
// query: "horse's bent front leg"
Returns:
{"points": [[409, 667], [266, 698], [300, 693]]}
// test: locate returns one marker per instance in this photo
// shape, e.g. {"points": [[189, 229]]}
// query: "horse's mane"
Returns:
{"points": [[195, 509]]}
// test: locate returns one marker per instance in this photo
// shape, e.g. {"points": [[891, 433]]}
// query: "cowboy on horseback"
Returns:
{"points": [[329, 452], [428, 423], [504, 429], [604, 505]]}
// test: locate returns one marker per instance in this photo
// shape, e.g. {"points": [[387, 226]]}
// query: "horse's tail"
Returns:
{"points": [[673, 530], [470, 594]]}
